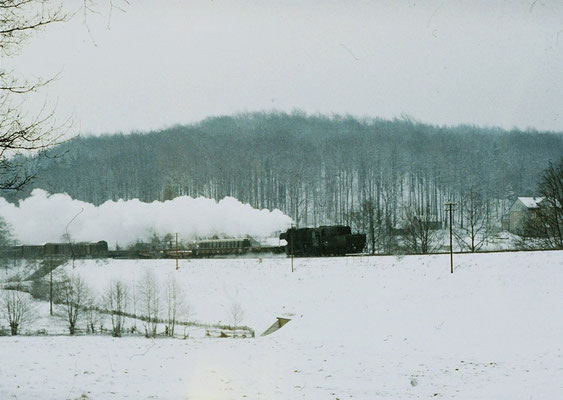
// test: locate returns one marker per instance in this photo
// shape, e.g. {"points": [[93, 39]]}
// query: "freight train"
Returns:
{"points": [[198, 249], [323, 241]]}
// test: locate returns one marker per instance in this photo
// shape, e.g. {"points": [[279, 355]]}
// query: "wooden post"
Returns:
{"points": [[450, 206]]}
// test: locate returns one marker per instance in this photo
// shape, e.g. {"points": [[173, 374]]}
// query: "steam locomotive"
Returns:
{"points": [[323, 241]]}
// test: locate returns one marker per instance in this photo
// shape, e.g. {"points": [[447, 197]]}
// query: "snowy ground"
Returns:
{"points": [[362, 328]]}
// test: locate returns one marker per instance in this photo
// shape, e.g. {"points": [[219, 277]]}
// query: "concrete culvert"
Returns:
{"points": [[276, 325]]}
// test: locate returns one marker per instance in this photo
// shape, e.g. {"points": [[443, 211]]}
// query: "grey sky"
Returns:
{"points": [[443, 62]]}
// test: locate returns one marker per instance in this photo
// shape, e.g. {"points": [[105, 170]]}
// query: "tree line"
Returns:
{"points": [[317, 169]]}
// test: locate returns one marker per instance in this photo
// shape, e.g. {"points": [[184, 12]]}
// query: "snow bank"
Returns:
{"points": [[45, 218]]}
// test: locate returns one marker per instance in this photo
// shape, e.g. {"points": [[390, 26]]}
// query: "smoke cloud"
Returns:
{"points": [[43, 218]]}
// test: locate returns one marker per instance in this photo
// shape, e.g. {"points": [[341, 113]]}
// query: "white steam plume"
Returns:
{"points": [[43, 218]]}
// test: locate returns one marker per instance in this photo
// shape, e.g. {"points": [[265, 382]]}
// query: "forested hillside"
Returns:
{"points": [[317, 169]]}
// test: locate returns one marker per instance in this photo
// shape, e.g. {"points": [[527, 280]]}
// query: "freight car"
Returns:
{"points": [[213, 247], [74, 250], [229, 247], [77, 250], [323, 241]]}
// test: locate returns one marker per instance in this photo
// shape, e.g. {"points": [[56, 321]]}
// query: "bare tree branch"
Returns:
{"points": [[20, 20]]}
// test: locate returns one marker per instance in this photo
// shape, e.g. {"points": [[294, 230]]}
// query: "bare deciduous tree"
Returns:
{"points": [[92, 316], [19, 20], [174, 295], [74, 295], [237, 314], [375, 220], [545, 225], [150, 303], [421, 234], [363, 219], [474, 230], [116, 298], [18, 309], [134, 300]]}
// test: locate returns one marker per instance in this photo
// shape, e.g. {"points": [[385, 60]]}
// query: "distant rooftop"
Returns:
{"points": [[531, 202]]}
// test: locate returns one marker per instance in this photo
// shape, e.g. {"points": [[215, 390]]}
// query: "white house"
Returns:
{"points": [[522, 208]]}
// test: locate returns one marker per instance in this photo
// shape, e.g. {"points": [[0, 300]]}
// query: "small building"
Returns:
{"points": [[522, 209]]}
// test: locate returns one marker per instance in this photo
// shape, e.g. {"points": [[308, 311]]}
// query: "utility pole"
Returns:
{"points": [[177, 251], [291, 246], [450, 206], [50, 288]]}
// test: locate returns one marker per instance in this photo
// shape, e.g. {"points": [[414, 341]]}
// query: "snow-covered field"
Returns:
{"points": [[361, 328]]}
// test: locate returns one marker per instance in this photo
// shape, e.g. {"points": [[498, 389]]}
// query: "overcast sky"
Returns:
{"points": [[491, 62]]}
